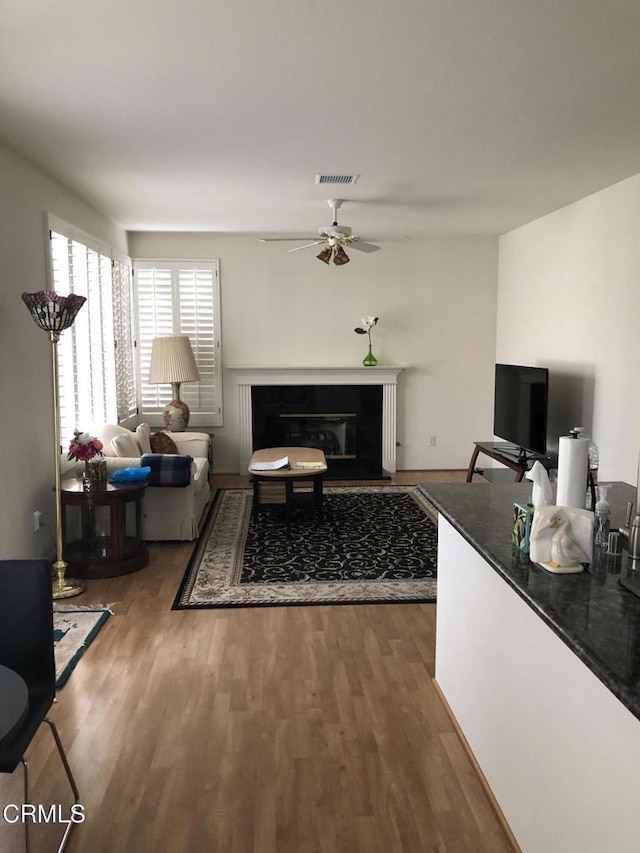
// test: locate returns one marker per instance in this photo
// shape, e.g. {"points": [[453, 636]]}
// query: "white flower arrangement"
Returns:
{"points": [[367, 324]]}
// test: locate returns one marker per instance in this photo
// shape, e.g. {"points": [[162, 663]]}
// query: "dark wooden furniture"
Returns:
{"points": [[520, 466], [109, 530], [488, 449], [299, 458], [26, 650], [14, 701]]}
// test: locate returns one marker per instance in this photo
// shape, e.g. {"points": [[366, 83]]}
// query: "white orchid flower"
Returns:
{"points": [[367, 324]]}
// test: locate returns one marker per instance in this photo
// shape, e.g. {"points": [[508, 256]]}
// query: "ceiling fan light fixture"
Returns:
{"points": [[325, 255], [340, 257]]}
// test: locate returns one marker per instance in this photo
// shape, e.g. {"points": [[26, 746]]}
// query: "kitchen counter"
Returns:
{"points": [[541, 674], [590, 611]]}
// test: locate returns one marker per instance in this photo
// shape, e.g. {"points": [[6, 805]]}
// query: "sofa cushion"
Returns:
{"points": [[162, 443], [126, 444], [143, 434], [168, 469], [194, 444], [109, 432]]}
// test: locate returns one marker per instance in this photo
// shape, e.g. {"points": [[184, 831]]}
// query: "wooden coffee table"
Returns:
{"points": [[307, 464]]}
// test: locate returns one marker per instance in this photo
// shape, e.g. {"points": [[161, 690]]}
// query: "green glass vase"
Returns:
{"points": [[369, 360]]}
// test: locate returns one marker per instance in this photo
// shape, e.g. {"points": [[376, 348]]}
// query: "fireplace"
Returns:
{"points": [[344, 421], [332, 432], [384, 379]]}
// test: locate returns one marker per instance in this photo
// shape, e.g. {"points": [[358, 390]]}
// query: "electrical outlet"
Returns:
{"points": [[432, 441], [37, 520]]}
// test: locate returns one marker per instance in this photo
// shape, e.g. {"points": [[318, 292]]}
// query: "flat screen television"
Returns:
{"points": [[521, 407]]}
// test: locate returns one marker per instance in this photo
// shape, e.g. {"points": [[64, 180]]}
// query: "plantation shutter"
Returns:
{"points": [[67, 387], [154, 297], [124, 341], [180, 298], [196, 317], [86, 361]]}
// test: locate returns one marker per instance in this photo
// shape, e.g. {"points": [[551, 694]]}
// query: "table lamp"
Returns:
{"points": [[53, 314], [172, 361]]}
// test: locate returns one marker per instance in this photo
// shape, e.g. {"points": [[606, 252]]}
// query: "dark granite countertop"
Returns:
{"points": [[597, 618]]}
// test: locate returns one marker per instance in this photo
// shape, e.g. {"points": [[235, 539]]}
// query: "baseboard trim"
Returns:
{"points": [[478, 769]]}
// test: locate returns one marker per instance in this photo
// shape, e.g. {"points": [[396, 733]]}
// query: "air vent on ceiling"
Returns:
{"points": [[336, 179]]}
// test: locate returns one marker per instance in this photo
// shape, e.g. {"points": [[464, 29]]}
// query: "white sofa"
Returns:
{"points": [[169, 512]]}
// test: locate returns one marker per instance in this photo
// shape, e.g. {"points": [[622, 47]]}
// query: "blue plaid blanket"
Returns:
{"points": [[168, 469]]}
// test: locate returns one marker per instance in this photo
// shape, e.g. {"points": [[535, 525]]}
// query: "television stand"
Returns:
{"points": [[517, 459]]}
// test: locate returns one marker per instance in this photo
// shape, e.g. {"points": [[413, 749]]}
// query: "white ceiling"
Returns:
{"points": [[460, 116]]}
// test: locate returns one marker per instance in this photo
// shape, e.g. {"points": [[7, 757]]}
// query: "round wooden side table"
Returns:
{"points": [[102, 529]]}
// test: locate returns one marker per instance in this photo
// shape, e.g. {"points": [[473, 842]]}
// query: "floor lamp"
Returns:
{"points": [[53, 314]]}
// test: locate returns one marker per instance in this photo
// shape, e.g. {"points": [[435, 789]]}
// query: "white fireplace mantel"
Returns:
{"points": [[387, 377]]}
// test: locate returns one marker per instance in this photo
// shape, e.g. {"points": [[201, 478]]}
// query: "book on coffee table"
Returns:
{"points": [[309, 465], [276, 465]]}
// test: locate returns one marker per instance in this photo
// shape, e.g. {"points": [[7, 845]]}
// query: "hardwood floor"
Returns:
{"points": [[258, 730]]}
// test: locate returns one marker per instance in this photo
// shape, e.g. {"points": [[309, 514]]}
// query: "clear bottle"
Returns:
{"points": [[602, 513], [594, 463]]}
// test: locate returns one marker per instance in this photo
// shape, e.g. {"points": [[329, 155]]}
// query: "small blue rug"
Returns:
{"points": [[74, 629]]}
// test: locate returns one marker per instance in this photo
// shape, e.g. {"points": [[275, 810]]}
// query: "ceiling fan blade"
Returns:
{"points": [[388, 238], [361, 246], [283, 239], [306, 245]]}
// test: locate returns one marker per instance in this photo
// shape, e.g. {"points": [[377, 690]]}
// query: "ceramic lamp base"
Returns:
{"points": [[176, 416]]}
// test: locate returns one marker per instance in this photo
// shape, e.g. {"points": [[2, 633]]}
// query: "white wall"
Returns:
{"points": [[569, 298], [436, 302], [26, 422]]}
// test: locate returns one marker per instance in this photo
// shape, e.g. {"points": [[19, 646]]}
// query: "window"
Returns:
{"points": [[180, 298], [96, 376], [126, 397]]}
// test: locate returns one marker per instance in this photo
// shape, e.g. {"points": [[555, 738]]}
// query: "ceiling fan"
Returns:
{"points": [[334, 237]]}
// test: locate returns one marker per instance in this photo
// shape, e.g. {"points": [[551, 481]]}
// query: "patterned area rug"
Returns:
{"points": [[74, 629], [376, 544]]}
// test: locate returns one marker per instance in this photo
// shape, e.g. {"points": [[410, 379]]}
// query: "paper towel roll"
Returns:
{"points": [[573, 470]]}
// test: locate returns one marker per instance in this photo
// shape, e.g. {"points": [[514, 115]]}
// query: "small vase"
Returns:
{"points": [[86, 478], [95, 475], [369, 360]]}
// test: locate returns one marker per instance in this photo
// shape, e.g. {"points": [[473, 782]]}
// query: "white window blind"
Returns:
{"points": [[180, 298], [124, 342], [96, 365], [86, 363]]}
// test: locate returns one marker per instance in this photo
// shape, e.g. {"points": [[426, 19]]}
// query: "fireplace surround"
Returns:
{"points": [[336, 427]]}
